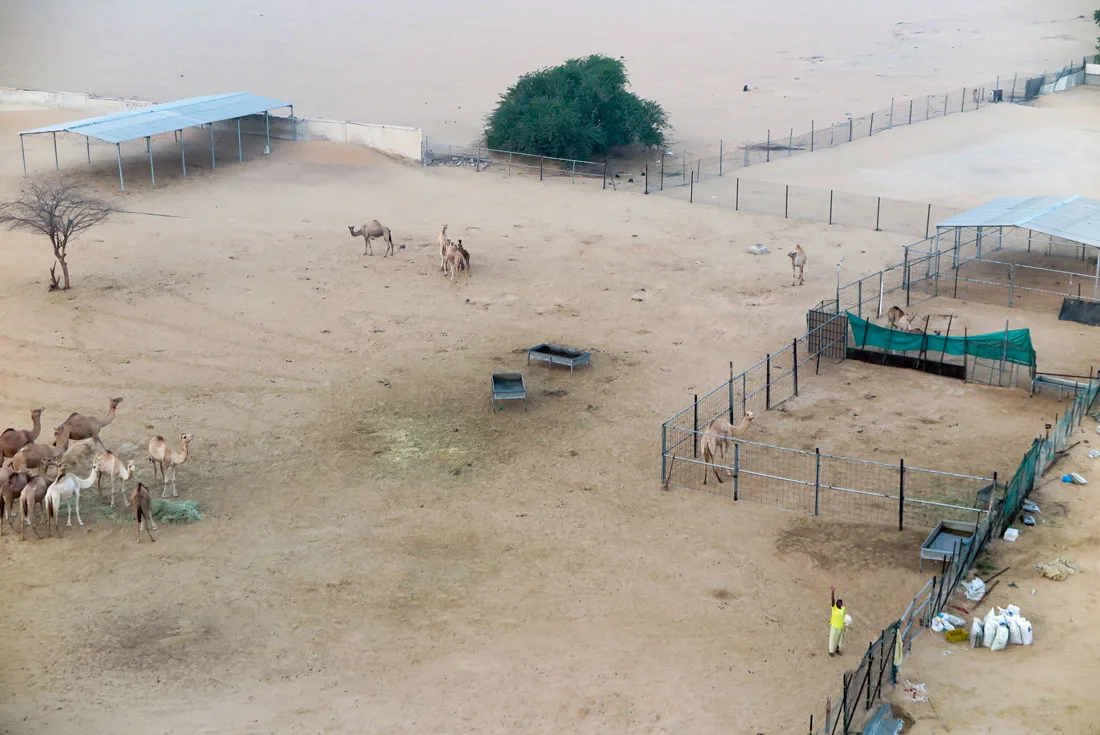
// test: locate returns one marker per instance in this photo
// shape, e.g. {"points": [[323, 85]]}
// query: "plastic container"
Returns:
{"points": [[1012, 534]]}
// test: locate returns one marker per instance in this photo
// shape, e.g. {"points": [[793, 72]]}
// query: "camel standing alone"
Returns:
{"points": [[162, 455], [798, 265], [83, 427], [373, 230], [716, 436], [12, 440]]}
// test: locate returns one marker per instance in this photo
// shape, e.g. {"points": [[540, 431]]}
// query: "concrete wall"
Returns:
{"points": [[394, 140], [1092, 73]]}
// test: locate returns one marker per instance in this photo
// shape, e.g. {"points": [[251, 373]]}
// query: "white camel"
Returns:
{"points": [[444, 242], [716, 436], [65, 487], [111, 466], [798, 265]]}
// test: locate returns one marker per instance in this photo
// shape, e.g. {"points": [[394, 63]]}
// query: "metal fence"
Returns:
{"points": [[684, 167], [511, 163]]}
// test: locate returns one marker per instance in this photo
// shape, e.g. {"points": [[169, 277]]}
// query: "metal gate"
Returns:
{"points": [[827, 333]]}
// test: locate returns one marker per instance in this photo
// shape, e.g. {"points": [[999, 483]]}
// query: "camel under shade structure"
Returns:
{"points": [[37, 456], [83, 427], [164, 457], [716, 436], [373, 230], [12, 440], [142, 502]]}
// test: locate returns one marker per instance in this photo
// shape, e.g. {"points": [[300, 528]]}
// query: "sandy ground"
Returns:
{"points": [[959, 161], [441, 66], [384, 553]]}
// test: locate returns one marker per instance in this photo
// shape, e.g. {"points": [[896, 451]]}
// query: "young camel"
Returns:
{"points": [[444, 243], [162, 455], [716, 436], [456, 261], [373, 230], [111, 466], [798, 265], [11, 485], [12, 440], [37, 456], [65, 487], [34, 493], [142, 502], [83, 427]]}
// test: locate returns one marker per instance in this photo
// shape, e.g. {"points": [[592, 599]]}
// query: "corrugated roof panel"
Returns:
{"points": [[1073, 218], [166, 117]]}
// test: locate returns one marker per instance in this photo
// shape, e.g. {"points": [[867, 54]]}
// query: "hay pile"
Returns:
{"points": [[164, 511]]}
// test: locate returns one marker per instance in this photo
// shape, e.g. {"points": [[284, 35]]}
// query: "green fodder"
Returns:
{"points": [[164, 511]]}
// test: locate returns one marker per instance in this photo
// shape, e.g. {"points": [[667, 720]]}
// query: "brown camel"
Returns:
{"points": [[36, 456], [455, 261], [12, 440], [83, 427], [142, 502], [373, 230], [716, 436], [33, 494], [11, 485]]}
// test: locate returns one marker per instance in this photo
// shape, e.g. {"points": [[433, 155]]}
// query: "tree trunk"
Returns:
{"points": [[64, 273]]}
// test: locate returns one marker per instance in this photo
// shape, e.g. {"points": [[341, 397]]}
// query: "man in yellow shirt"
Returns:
{"points": [[836, 625]]}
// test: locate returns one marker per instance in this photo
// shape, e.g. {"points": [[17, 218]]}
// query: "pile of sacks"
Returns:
{"points": [[1001, 627]]}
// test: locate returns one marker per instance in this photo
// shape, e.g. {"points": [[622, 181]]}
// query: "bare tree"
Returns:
{"points": [[58, 209]]}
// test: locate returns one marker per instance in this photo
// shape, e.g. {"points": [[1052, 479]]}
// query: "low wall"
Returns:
{"points": [[1092, 73], [391, 139]]}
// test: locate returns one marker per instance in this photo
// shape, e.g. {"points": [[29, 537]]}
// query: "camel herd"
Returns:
{"points": [[24, 476]]}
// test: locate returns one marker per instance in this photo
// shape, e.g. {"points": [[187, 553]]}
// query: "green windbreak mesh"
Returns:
{"points": [[1012, 346]]}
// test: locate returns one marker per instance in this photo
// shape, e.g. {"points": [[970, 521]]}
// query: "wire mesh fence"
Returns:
{"points": [[511, 163]]}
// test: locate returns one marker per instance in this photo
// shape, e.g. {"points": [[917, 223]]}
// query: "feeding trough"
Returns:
{"points": [[556, 354], [947, 539], [509, 387]]}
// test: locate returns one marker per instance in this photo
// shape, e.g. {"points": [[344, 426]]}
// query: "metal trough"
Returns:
{"points": [[508, 387], [556, 354], [947, 539]]}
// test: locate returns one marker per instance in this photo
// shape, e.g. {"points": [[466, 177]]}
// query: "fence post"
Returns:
{"points": [[744, 393], [647, 178], [817, 480], [768, 382], [721, 153], [831, 214], [946, 96], [790, 143], [901, 495], [850, 124], [731, 391], [844, 703], [736, 471], [737, 193], [871, 127], [786, 200], [510, 165], [891, 124], [962, 107], [605, 174], [908, 285], [794, 351], [1011, 283], [691, 188], [928, 221], [768, 158], [910, 112], [811, 151], [540, 168], [878, 214], [859, 298], [878, 312], [575, 172], [662, 171], [870, 666], [1012, 94], [664, 452], [477, 161], [695, 427], [684, 172]]}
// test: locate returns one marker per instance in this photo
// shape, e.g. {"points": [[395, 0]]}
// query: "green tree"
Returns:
{"points": [[580, 109], [1096, 19]]}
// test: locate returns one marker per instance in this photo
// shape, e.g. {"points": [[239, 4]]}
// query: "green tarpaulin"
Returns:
{"points": [[1013, 345]]}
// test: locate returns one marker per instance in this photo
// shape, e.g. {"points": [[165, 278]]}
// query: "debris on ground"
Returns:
{"points": [[1059, 569], [916, 692], [757, 249]]}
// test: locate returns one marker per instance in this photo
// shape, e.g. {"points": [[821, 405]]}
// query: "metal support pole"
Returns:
{"points": [[56, 163], [910, 112], [928, 221], [1011, 283], [664, 453], [662, 171], [510, 163], [695, 427], [240, 147], [891, 123], [794, 351], [945, 100], [605, 174], [859, 298], [871, 127], [149, 150], [691, 190], [541, 170], [737, 194], [850, 128], [646, 175], [1012, 94], [118, 153], [768, 382], [901, 495], [684, 171], [817, 481], [477, 160], [293, 124], [811, 136], [213, 157], [574, 180], [744, 393], [721, 153], [790, 143], [736, 471], [786, 200], [962, 107], [23, 153], [731, 392], [183, 154], [267, 134], [878, 313], [88, 147], [831, 212], [878, 215]]}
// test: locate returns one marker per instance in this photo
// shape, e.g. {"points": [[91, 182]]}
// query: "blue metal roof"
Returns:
{"points": [[166, 117], [1072, 218]]}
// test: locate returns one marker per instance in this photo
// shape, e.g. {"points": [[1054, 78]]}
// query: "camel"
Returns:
{"points": [[142, 502], [83, 427], [373, 230], [898, 319], [12, 440], [162, 455], [716, 436], [465, 254], [111, 466], [33, 494], [37, 456], [798, 265], [455, 261], [11, 485], [444, 242], [65, 487]]}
